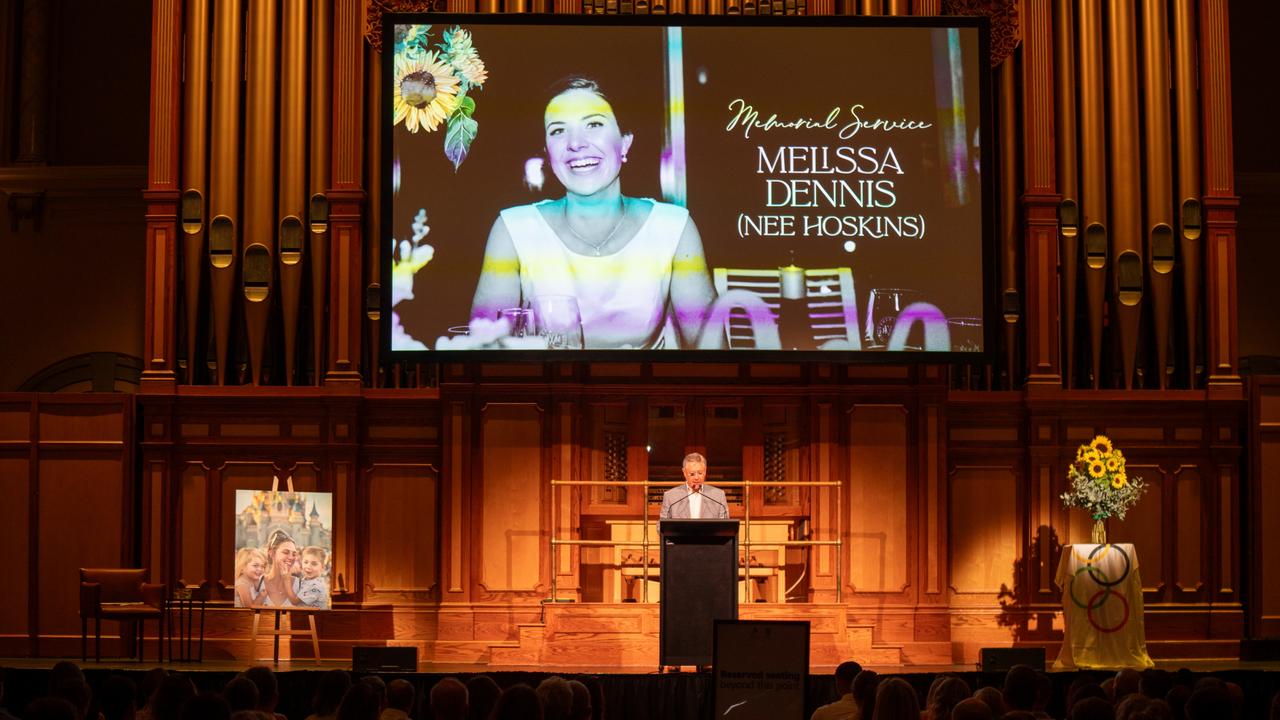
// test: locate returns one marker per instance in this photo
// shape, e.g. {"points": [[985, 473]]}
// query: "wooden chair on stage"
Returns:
{"points": [[123, 595]]}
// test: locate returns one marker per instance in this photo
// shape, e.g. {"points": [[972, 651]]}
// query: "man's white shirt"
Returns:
{"points": [[695, 504]]}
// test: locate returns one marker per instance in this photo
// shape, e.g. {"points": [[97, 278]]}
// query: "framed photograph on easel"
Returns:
{"points": [[283, 549]]}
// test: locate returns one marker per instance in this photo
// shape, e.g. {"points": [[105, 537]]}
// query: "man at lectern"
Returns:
{"points": [[694, 499]]}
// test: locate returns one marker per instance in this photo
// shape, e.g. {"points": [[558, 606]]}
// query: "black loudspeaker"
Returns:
{"points": [[384, 659], [1267, 648], [1001, 659]]}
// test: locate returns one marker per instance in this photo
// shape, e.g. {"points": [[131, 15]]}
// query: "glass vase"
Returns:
{"points": [[1099, 536]]}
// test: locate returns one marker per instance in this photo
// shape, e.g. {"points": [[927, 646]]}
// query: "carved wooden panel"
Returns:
{"points": [[511, 486], [984, 531], [82, 524], [1145, 526], [1269, 532], [877, 498], [193, 555], [1189, 496], [403, 544], [14, 530]]}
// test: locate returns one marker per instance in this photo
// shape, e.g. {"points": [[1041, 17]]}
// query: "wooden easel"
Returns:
{"points": [[275, 630]]}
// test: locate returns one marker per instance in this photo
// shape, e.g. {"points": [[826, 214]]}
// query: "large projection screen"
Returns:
{"points": [[686, 188]]}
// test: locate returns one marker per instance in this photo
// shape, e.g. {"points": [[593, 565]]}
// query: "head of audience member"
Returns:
{"points": [[50, 708], [1044, 692], [360, 703], [597, 696], [518, 702], [1137, 706], [581, 709], [400, 696], [971, 709], [1127, 682], [1275, 707], [75, 691], [1085, 690], [151, 680], [333, 685], [1177, 699], [1020, 687], [1236, 693], [449, 699], [944, 694], [895, 699], [118, 698], [1092, 708], [174, 692], [556, 697], [241, 694], [1209, 702], [252, 715], [482, 693], [845, 673], [206, 706], [268, 690], [64, 670], [379, 687], [992, 698], [864, 690], [1155, 683], [1019, 715]]}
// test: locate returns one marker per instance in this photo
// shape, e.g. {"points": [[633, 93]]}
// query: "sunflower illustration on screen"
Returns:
{"points": [[432, 86]]}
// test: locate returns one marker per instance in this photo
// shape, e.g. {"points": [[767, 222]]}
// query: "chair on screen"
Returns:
{"points": [[830, 300], [123, 595]]}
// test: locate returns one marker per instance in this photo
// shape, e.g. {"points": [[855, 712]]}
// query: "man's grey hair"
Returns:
{"points": [[693, 458]]}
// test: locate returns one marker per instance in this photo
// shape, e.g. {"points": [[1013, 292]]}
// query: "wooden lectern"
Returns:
{"points": [[699, 587]]}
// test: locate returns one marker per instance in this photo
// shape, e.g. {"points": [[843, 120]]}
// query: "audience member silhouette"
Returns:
{"points": [[518, 702], [944, 694], [972, 709], [333, 685], [581, 709], [994, 699], [482, 693], [400, 697], [896, 700], [118, 699], [449, 699], [360, 703], [556, 697], [241, 694], [206, 706]]}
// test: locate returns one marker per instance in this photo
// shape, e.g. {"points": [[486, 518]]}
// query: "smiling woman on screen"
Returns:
{"points": [[634, 266]]}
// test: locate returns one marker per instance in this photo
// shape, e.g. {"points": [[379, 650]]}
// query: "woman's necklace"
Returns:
{"points": [[596, 248]]}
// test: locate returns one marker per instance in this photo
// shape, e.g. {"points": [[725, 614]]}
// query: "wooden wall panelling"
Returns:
{"points": [[827, 508], [346, 196], [1263, 501], [85, 489], [1040, 198], [879, 502], [18, 523], [1220, 201], [455, 502], [1189, 503], [566, 500], [401, 555], [512, 474], [162, 197], [985, 534]]}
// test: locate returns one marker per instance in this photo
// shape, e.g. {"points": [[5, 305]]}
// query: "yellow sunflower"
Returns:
{"points": [[465, 59], [426, 92], [1102, 444], [1091, 456], [1097, 470], [1112, 464], [1119, 480]]}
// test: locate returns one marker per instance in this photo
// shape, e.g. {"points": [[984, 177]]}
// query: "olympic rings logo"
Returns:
{"points": [[1107, 585]]}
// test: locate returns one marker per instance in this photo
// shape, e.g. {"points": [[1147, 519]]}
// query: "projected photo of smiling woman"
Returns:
{"points": [[633, 269]]}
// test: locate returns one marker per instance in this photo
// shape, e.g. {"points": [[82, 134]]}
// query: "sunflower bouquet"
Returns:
{"points": [[431, 86], [1100, 483]]}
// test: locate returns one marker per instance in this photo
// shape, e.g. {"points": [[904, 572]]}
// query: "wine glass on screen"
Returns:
{"points": [[520, 322], [883, 307], [559, 320], [966, 334]]}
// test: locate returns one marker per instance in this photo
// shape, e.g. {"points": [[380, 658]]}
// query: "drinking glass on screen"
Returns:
{"points": [[520, 321], [559, 320], [883, 307]]}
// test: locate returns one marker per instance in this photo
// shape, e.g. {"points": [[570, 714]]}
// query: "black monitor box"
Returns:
{"points": [[384, 659]]}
